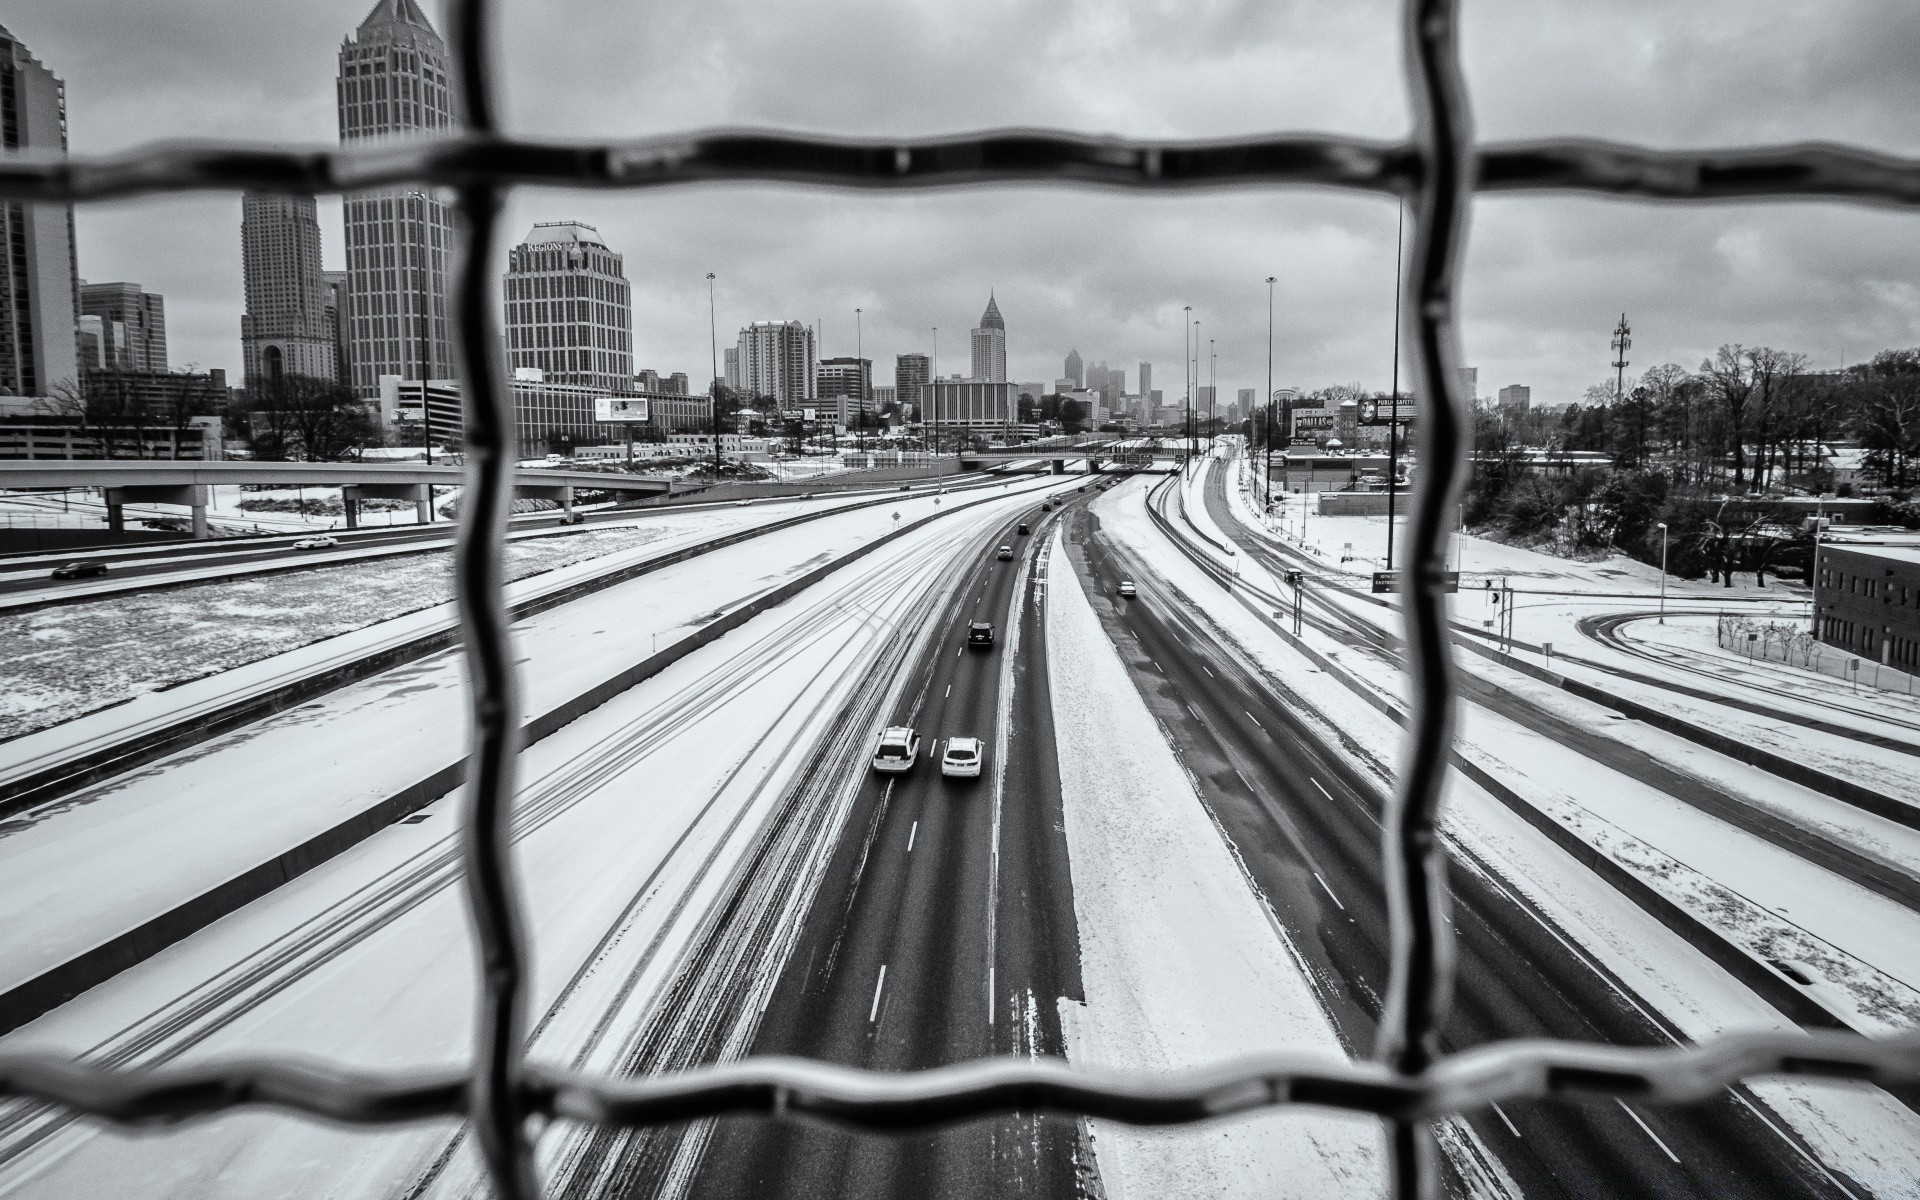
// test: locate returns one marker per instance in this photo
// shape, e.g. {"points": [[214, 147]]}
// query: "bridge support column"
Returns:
{"points": [[192, 495], [1059, 466], [420, 493], [561, 494], [350, 502]]}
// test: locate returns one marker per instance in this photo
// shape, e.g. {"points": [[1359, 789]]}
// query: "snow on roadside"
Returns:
{"points": [[1181, 962]]}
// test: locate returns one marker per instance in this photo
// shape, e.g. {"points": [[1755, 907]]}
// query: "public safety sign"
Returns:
{"points": [[1383, 412]]}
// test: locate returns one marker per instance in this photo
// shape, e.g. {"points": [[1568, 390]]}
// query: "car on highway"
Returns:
{"points": [[1022, 528], [980, 635], [1126, 588], [317, 542], [79, 570], [1005, 554], [899, 748], [962, 757]]}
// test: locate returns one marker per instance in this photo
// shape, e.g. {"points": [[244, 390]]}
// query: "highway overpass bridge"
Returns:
{"points": [[155, 481], [1118, 456]]}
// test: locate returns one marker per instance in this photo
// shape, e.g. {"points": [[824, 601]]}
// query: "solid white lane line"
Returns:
{"points": [[911, 834], [879, 983], [1505, 1120], [1644, 1129], [1255, 720], [1323, 791], [1329, 892]]}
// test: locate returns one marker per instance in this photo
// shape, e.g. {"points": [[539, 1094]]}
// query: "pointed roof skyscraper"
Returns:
{"points": [[991, 318], [397, 12]]}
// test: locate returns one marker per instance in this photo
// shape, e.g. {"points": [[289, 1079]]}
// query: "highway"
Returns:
{"points": [[945, 930]]}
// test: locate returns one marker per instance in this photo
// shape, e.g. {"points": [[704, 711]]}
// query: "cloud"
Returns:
{"points": [[1546, 276]]}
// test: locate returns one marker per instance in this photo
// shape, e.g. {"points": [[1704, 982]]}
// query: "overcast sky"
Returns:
{"points": [[1106, 273]]}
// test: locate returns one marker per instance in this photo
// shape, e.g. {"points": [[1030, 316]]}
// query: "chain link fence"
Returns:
{"points": [[1407, 1082]]}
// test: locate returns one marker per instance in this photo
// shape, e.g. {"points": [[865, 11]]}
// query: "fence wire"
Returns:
{"points": [[1409, 1083]]}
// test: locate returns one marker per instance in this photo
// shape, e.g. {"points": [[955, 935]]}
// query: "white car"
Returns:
{"points": [[322, 542], [899, 748], [962, 757], [1126, 588]]}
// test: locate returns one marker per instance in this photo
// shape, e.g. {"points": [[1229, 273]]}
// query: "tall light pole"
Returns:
{"points": [[1393, 412], [713, 389], [860, 368], [1186, 365], [1269, 506], [1213, 389], [933, 390], [1663, 571]]}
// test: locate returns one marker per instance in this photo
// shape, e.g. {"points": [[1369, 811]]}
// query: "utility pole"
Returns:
{"points": [[1213, 389], [860, 367], [1269, 506], [933, 390], [1393, 413], [713, 390], [1622, 338]]}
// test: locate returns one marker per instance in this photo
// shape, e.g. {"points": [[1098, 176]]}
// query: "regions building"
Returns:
{"points": [[990, 345], [131, 323], [393, 83], [777, 360], [291, 325], [1866, 600], [39, 286], [569, 310]]}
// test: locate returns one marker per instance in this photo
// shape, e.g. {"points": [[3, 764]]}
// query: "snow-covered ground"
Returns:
{"points": [[1182, 964], [630, 822], [1769, 902]]}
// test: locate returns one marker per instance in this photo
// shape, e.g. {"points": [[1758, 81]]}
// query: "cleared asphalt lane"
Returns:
{"points": [[943, 932], [1307, 823]]}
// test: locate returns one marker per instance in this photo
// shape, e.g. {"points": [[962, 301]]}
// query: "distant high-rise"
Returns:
{"points": [[1076, 369], [1146, 379], [845, 377], [141, 315], [39, 288], [337, 305], [911, 375], [777, 360], [1469, 379], [393, 82], [1516, 397], [990, 345], [731, 366], [569, 309], [287, 328]]}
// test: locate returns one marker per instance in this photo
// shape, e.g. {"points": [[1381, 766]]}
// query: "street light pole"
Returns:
{"points": [[1186, 365], [1213, 389], [713, 389], [933, 390], [1393, 412], [860, 369], [1269, 504], [1663, 571]]}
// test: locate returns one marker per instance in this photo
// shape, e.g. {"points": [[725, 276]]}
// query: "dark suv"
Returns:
{"points": [[980, 635], [80, 570]]}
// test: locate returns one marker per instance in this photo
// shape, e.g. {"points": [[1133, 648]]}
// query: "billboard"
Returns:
{"points": [[1381, 412], [620, 410]]}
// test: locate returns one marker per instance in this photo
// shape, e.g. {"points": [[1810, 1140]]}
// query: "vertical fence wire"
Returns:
{"points": [[496, 1102], [1413, 859]]}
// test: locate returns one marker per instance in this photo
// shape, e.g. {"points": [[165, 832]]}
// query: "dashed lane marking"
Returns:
{"points": [[1255, 720], [1329, 892], [1196, 715], [1644, 1128], [874, 1011], [911, 834], [1507, 1121], [1323, 791]]}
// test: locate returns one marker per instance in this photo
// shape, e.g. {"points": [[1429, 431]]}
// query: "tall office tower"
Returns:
{"points": [[39, 288], [1146, 379], [846, 377], [730, 366], [337, 305], [1076, 369], [1469, 379], [569, 309], [911, 375], [777, 360], [990, 345], [1516, 397], [393, 83], [141, 314], [286, 329]]}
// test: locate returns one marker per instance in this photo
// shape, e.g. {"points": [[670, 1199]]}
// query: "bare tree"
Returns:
{"points": [[1889, 420], [1729, 377], [1774, 374]]}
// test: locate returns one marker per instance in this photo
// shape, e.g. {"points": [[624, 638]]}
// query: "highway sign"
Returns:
{"points": [[1381, 412], [619, 410], [1389, 581]]}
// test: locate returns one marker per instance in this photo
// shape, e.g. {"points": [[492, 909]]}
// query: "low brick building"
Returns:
{"points": [[1866, 600]]}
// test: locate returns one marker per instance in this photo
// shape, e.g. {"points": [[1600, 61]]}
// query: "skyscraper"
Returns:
{"points": [[338, 302], [39, 289], [569, 308], [141, 315], [730, 368], [845, 377], [1076, 369], [911, 375], [1146, 379], [286, 329], [777, 360], [990, 345], [393, 82]]}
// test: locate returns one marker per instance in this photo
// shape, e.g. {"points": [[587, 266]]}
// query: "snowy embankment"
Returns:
{"points": [[1182, 964], [1866, 977], [630, 824]]}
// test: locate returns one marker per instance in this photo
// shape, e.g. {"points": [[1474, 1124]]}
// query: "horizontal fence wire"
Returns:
{"points": [[1437, 172]]}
